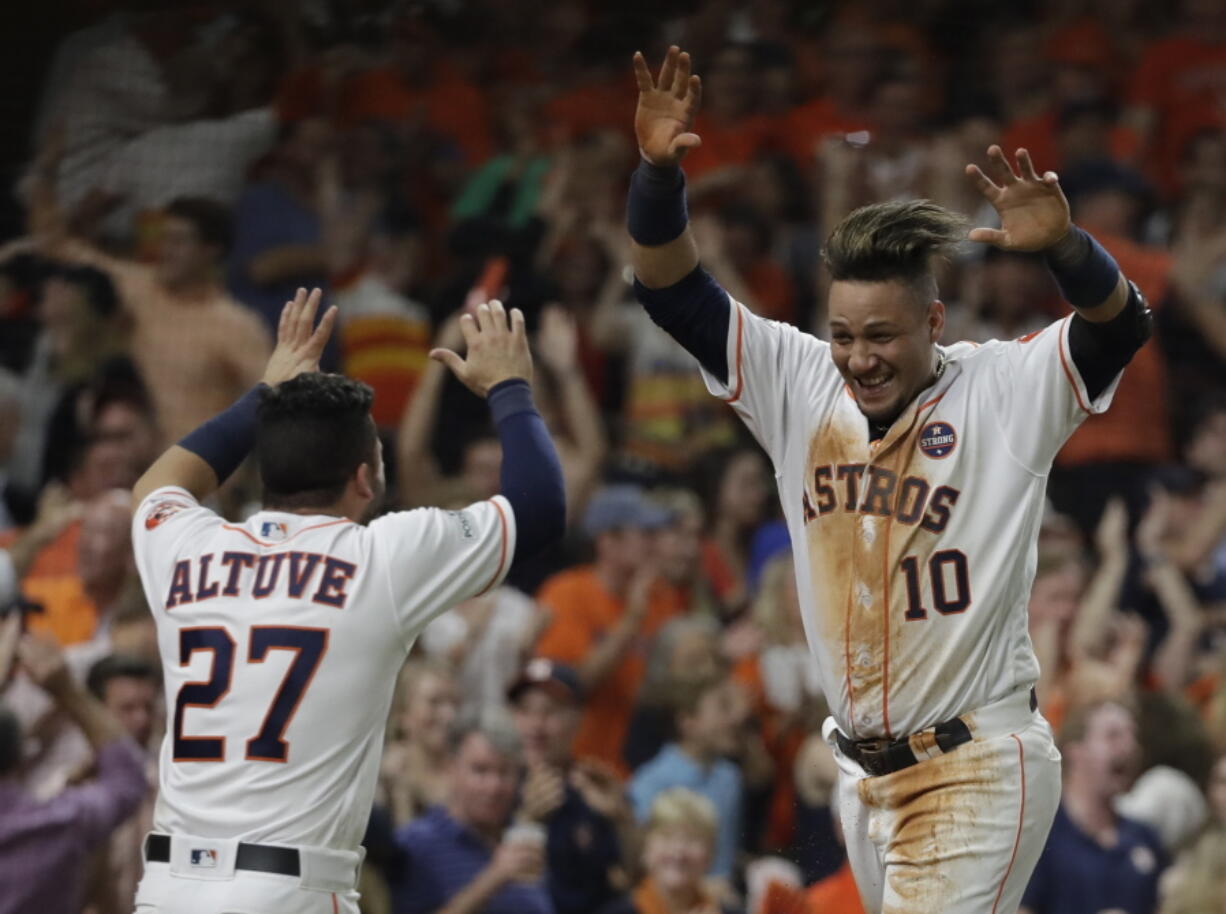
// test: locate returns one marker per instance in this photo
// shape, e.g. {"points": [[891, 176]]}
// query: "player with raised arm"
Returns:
{"points": [[281, 637], [912, 476]]}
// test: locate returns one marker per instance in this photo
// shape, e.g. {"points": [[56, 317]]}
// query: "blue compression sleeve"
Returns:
{"points": [[695, 311], [531, 474], [1085, 272], [224, 441], [655, 206]]}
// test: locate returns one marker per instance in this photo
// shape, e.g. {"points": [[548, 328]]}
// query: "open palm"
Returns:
{"points": [[1034, 214], [666, 108]]}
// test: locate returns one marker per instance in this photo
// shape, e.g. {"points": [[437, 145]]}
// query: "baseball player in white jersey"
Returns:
{"points": [[281, 637], [912, 477]]}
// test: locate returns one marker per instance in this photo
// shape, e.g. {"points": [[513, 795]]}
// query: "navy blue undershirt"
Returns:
{"points": [[531, 475]]}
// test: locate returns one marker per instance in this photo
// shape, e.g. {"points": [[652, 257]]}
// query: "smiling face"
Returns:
{"points": [[882, 341]]}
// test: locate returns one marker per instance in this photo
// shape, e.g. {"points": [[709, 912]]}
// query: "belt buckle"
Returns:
{"points": [[872, 755]]}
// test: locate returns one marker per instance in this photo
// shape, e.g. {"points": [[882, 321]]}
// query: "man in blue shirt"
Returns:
{"points": [[1096, 860], [582, 804], [461, 858], [705, 712]]}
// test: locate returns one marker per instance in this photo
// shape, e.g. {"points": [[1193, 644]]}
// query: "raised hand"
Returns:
{"points": [[557, 340], [299, 342], [666, 108], [497, 349], [1034, 214]]}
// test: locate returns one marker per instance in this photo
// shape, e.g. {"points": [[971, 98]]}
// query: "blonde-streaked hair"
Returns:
{"points": [[769, 609], [682, 808], [411, 674], [894, 241]]}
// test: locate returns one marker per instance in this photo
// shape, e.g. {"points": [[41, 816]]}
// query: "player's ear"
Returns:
{"points": [[364, 480], [936, 320]]}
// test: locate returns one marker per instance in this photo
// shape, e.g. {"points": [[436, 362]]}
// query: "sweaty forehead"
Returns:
{"points": [[856, 304]]}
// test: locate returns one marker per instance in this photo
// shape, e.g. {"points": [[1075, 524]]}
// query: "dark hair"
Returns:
{"points": [[894, 241], [314, 431], [95, 285], [212, 220], [118, 666], [10, 741]]}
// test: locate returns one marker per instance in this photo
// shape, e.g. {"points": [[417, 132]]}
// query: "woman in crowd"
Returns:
{"points": [[415, 761], [736, 506]]}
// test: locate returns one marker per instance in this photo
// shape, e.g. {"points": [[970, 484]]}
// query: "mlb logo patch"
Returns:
{"points": [[204, 857], [273, 530], [938, 439]]}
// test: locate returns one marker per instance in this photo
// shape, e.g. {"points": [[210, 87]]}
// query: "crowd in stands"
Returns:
{"points": [[632, 723]]}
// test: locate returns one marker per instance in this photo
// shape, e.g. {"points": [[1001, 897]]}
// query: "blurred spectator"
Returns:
{"points": [[206, 157], [679, 843], [1195, 882], [590, 826], [568, 407], [1106, 456], [279, 239], [486, 640], [685, 648], [421, 480], [78, 606], [128, 687], [736, 496], [850, 58], [465, 856], [667, 420], [1174, 86], [1095, 859], [43, 843], [1014, 296], [706, 732], [196, 348], [678, 550], [604, 615], [139, 72], [82, 331], [737, 246], [414, 768], [732, 130], [18, 556]]}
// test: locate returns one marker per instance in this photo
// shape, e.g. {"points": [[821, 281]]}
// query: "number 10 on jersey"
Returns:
{"points": [[950, 582]]}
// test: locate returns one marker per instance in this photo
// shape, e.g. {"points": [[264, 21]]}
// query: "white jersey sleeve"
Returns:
{"points": [[769, 365], [439, 558], [165, 522], [1041, 394]]}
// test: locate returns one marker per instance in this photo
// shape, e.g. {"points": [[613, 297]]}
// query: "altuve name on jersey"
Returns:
{"points": [[299, 575], [909, 500]]}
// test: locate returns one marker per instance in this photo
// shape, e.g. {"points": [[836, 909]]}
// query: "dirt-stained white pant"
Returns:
{"points": [[958, 833], [206, 882]]}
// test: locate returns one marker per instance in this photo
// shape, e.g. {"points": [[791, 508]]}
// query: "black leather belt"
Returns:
{"points": [[262, 858], [883, 756]]}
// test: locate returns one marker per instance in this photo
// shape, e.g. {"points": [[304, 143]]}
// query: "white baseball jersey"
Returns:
{"points": [[281, 639], [914, 554]]}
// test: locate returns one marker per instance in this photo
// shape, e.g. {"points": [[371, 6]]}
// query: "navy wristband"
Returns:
{"points": [[1085, 272], [224, 441], [507, 398], [655, 208]]}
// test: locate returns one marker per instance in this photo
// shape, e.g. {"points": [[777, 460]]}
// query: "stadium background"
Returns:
{"points": [[411, 158]]}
